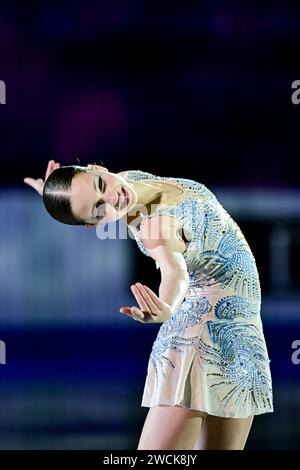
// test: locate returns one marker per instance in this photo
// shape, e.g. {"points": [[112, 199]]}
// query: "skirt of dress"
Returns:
{"points": [[211, 356]]}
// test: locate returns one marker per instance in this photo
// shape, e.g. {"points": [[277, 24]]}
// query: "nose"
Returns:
{"points": [[113, 198]]}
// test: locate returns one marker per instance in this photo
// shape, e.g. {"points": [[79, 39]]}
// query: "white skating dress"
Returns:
{"points": [[211, 355]]}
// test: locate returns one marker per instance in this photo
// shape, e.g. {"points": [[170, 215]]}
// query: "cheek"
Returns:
{"points": [[111, 182]]}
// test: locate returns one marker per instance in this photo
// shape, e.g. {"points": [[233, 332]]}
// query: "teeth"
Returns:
{"points": [[123, 199], [117, 203]]}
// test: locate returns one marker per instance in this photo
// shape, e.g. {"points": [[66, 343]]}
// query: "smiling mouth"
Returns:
{"points": [[123, 199]]}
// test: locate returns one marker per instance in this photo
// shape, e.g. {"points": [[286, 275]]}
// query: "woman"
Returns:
{"points": [[208, 372]]}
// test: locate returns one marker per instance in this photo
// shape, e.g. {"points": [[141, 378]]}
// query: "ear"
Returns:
{"points": [[97, 167]]}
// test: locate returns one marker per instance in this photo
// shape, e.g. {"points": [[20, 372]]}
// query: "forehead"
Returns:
{"points": [[82, 193], [82, 182]]}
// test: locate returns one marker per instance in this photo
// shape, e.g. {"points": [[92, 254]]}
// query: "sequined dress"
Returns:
{"points": [[211, 355]]}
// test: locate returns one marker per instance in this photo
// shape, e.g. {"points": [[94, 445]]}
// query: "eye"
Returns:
{"points": [[100, 204], [100, 184]]}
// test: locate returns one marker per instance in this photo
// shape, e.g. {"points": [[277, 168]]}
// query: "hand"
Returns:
{"points": [[152, 309], [38, 184]]}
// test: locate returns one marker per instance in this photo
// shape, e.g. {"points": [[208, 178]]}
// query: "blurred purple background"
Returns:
{"points": [[199, 90]]}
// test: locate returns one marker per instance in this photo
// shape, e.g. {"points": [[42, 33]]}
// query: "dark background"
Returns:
{"points": [[196, 88], [200, 90]]}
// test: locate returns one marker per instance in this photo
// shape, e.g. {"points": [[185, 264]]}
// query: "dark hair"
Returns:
{"points": [[56, 194]]}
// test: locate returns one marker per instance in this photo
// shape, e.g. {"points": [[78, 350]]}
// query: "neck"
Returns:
{"points": [[147, 195]]}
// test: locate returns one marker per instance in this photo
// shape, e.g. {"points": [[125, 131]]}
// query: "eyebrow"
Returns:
{"points": [[94, 202]]}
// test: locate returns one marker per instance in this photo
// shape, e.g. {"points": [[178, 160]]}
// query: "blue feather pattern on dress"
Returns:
{"points": [[211, 355]]}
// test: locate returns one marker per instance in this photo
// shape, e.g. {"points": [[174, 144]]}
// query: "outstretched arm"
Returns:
{"points": [[38, 184]]}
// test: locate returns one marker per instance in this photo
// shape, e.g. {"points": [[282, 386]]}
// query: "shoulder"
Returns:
{"points": [[138, 173], [160, 236], [123, 173], [163, 231]]}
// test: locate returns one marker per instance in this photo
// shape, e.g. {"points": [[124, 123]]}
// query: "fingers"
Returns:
{"points": [[35, 184], [148, 298], [133, 312], [137, 313], [148, 302], [125, 310], [154, 298], [49, 168], [52, 165], [38, 184], [141, 298], [29, 181]]}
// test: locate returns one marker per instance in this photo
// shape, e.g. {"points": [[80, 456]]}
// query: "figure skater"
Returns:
{"points": [[209, 370]]}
